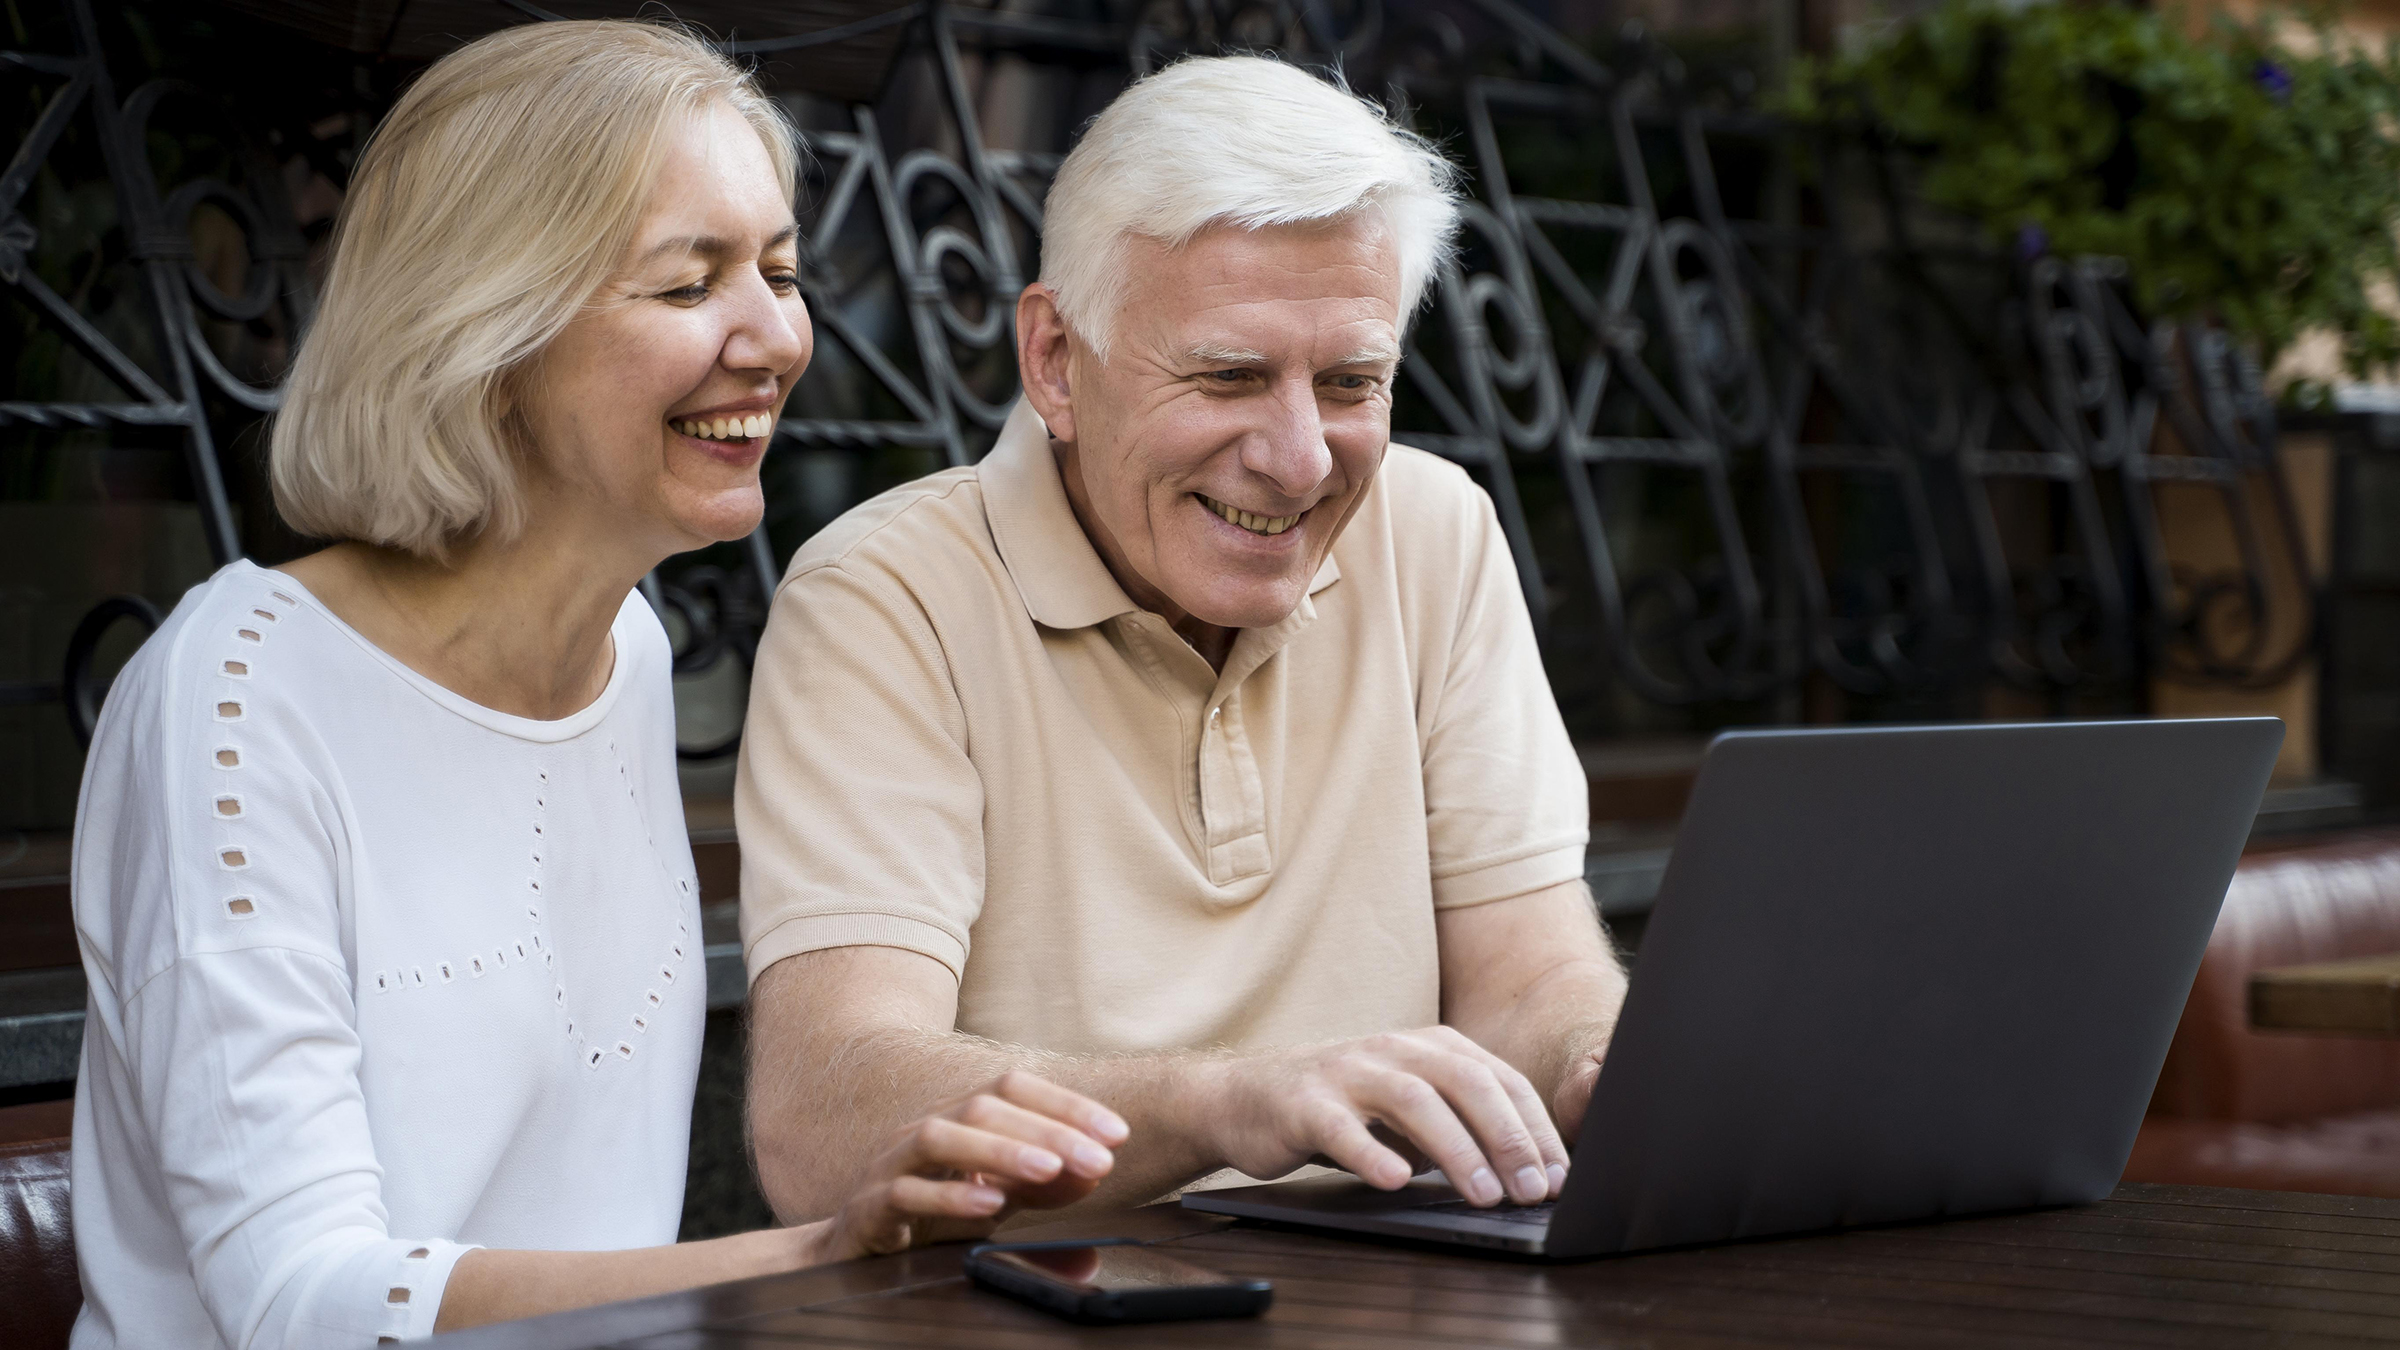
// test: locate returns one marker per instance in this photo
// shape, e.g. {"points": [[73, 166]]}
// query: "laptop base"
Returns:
{"points": [[1425, 1210]]}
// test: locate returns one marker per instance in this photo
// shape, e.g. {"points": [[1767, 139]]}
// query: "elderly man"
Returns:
{"points": [[1192, 750]]}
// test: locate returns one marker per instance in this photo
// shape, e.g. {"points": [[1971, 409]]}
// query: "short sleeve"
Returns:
{"points": [[860, 813], [208, 897], [1506, 805]]}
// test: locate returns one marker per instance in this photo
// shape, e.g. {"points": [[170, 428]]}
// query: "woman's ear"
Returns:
{"points": [[509, 411], [1043, 349]]}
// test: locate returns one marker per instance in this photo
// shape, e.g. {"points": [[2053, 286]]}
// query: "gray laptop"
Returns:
{"points": [[1893, 973]]}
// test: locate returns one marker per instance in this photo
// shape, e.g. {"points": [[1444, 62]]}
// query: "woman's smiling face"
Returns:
{"points": [[650, 412]]}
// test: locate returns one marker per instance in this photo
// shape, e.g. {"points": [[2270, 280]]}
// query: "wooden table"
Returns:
{"points": [[2153, 1265], [2336, 998]]}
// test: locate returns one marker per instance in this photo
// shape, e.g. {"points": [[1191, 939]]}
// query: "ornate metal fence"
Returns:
{"points": [[1746, 435], [173, 374]]}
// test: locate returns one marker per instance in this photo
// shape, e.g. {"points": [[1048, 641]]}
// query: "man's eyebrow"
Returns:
{"points": [[1377, 355], [1218, 353], [709, 245], [1222, 354]]}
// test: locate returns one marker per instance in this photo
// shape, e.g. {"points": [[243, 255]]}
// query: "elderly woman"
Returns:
{"points": [[381, 875]]}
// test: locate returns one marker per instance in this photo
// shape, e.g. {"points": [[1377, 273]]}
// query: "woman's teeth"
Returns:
{"points": [[727, 428], [1255, 524]]}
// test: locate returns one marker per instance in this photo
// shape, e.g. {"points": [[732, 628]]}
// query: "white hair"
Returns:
{"points": [[1235, 140]]}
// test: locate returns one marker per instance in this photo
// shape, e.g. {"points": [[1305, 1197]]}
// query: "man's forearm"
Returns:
{"points": [[850, 1044], [1543, 1015], [825, 1099], [1560, 1021]]}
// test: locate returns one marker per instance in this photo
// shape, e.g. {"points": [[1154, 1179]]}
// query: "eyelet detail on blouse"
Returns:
{"points": [[496, 961]]}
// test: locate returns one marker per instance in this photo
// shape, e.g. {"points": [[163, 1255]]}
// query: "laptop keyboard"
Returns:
{"points": [[1532, 1216]]}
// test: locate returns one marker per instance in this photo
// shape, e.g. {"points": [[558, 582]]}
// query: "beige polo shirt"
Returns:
{"points": [[966, 741]]}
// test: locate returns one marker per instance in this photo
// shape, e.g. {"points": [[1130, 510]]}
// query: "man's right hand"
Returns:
{"points": [[1377, 1105], [1022, 1141]]}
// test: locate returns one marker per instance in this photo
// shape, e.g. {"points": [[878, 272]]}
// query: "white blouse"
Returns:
{"points": [[377, 975]]}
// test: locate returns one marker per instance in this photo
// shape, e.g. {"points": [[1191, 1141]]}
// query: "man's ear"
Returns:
{"points": [[1043, 349]]}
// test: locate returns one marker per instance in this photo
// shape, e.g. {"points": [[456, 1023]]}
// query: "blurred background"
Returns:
{"points": [[1827, 360]]}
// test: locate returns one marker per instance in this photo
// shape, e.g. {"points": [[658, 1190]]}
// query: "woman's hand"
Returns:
{"points": [[1023, 1142]]}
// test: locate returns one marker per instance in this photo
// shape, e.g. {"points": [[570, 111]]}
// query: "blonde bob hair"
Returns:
{"points": [[492, 202]]}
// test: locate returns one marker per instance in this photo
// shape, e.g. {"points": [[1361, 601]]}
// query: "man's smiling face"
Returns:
{"points": [[1242, 411]]}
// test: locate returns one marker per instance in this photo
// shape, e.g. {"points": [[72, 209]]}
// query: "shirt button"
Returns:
{"points": [[1212, 715]]}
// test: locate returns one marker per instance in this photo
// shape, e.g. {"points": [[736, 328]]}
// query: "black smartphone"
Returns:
{"points": [[1119, 1280]]}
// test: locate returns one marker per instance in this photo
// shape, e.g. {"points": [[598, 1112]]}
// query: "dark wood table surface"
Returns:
{"points": [[2152, 1265], [2358, 997]]}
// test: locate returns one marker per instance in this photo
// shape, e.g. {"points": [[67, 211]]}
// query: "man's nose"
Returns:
{"points": [[1289, 449], [768, 335]]}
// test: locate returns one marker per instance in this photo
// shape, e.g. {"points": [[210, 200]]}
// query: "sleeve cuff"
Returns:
{"points": [[425, 1278], [1506, 876], [803, 933]]}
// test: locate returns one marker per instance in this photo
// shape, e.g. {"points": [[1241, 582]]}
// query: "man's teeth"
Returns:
{"points": [[1255, 524], [726, 428]]}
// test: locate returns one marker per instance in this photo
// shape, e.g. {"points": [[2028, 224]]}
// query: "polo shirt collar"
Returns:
{"points": [[1058, 573]]}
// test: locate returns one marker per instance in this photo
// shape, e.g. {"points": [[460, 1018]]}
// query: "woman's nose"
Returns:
{"points": [[770, 332]]}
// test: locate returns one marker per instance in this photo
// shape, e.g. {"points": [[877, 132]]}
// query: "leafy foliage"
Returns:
{"points": [[2239, 178]]}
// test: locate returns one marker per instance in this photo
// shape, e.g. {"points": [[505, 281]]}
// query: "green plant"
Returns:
{"points": [[2241, 179]]}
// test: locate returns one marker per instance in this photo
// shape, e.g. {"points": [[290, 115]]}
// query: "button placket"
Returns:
{"points": [[1217, 792], [1148, 643], [1222, 793], [1233, 804]]}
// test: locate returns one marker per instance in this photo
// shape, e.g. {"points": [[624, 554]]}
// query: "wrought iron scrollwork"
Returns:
{"points": [[1884, 622], [954, 242], [80, 682], [2166, 405], [1770, 445], [155, 221], [1663, 379]]}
